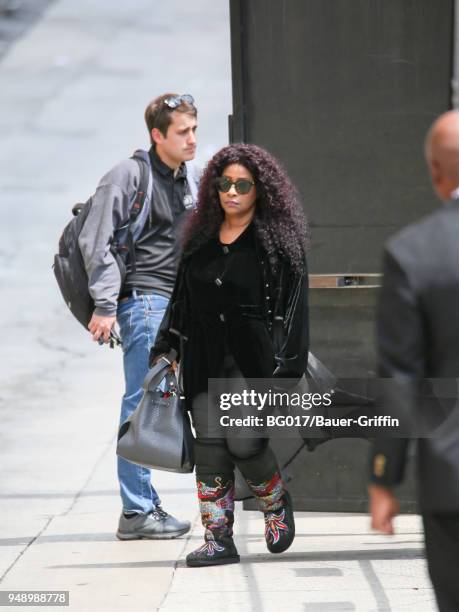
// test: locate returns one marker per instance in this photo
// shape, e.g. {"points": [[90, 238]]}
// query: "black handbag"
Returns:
{"points": [[158, 433]]}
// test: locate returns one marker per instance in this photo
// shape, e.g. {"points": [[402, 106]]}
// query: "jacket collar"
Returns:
{"points": [[162, 168]]}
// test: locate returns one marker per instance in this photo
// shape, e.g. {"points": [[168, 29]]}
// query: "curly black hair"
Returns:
{"points": [[279, 219]]}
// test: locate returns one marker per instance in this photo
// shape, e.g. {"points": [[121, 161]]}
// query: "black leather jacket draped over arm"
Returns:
{"points": [[291, 323]]}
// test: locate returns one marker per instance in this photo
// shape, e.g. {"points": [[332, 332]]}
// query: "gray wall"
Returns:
{"points": [[343, 92]]}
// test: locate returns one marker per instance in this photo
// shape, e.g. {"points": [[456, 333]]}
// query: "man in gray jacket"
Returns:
{"points": [[138, 304]]}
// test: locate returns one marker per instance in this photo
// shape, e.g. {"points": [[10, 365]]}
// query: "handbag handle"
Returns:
{"points": [[156, 374]]}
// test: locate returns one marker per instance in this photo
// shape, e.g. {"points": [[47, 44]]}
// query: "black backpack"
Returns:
{"points": [[69, 268]]}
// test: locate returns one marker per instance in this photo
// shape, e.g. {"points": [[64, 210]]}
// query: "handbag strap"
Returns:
{"points": [[156, 374]]}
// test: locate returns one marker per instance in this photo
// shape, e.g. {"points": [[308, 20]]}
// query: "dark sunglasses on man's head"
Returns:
{"points": [[177, 100], [241, 185]]}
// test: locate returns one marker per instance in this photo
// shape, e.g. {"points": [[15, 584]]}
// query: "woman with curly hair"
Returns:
{"points": [[239, 304]]}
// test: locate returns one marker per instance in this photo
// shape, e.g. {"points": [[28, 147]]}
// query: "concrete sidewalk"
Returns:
{"points": [[334, 564]]}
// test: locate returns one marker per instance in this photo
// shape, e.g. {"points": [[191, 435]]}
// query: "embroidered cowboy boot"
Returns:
{"points": [[276, 504], [216, 503]]}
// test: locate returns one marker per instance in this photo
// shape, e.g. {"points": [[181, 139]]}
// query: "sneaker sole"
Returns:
{"points": [[203, 563], [154, 536]]}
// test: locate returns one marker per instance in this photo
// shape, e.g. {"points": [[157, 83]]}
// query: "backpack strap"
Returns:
{"points": [[140, 207]]}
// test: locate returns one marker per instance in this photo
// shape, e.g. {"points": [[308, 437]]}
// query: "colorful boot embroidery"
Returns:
{"points": [[216, 502], [276, 504], [217, 505], [209, 548], [268, 493], [275, 525]]}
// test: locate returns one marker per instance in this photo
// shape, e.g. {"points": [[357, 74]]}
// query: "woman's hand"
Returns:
{"points": [[173, 365]]}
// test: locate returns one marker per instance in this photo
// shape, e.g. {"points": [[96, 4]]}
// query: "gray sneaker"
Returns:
{"points": [[158, 525]]}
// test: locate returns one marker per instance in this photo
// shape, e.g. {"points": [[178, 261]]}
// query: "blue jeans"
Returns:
{"points": [[139, 319]]}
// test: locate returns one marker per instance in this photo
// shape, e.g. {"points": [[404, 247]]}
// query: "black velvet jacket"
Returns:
{"points": [[285, 309]]}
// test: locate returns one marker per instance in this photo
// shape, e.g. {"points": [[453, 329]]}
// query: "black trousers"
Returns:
{"points": [[239, 353], [442, 549], [215, 457]]}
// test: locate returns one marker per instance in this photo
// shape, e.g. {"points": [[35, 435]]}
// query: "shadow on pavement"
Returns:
{"points": [[343, 555], [67, 494]]}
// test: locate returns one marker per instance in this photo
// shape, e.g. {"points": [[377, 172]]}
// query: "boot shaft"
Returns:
{"points": [[216, 504], [268, 493]]}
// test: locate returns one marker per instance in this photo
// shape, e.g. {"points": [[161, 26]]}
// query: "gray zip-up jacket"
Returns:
{"points": [[110, 210]]}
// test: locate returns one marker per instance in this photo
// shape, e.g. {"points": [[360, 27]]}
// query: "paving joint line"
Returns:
{"points": [[79, 493], [65, 513], [24, 550], [174, 569]]}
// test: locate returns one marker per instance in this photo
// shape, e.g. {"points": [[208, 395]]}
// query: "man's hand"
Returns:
{"points": [[100, 327], [383, 508]]}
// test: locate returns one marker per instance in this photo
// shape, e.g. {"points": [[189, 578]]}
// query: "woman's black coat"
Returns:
{"points": [[285, 309]]}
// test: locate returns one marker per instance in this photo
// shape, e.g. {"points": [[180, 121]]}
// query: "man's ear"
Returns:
{"points": [[435, 172], [157, 136], [440, 181]]}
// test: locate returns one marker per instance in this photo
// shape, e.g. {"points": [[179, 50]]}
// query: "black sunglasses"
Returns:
{"points": [[177, 100], [241, 185]]}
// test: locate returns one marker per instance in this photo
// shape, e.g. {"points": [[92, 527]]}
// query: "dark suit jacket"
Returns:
{"points": [[418, 338]]}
